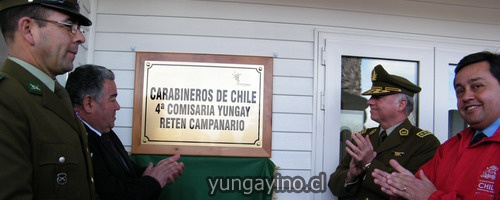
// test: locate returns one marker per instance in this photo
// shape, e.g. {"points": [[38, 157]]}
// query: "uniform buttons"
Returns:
{"points": [[91, 154], [92, 179], [366, 198], [62, 159]]}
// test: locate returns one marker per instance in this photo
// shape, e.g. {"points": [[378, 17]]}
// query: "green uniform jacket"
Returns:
{"points": [[43, 147], [407, 144]]}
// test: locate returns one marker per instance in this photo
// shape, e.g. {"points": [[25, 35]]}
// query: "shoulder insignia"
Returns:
{"points": [[403, 132], [34, 88], [398, 153], [372, 132], [422, 134]]}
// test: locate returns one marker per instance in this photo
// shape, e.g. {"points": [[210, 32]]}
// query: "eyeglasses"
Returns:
{"points": [[73, 28]]}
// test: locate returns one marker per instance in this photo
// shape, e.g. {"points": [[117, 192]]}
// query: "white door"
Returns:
{"points": [[340, 107]]}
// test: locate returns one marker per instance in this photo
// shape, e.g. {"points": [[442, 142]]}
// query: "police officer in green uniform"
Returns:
{"points": [[396, 138], [43, 146]]}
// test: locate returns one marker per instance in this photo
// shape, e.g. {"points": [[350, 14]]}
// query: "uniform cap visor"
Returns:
{"points": [[82, 20]]}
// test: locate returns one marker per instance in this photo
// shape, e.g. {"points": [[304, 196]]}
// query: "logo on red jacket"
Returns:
{"points": [[490, 172], [487, 180]]}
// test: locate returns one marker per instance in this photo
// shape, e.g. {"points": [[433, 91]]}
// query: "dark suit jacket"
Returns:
{"points": [[407, 144], [112, 179], [43, 146]]}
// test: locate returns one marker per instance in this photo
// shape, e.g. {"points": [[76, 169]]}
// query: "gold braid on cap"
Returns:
{"points": [[393, 89]]}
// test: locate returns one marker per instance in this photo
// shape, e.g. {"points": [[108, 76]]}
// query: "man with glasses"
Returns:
{"points": [[43, 146]]}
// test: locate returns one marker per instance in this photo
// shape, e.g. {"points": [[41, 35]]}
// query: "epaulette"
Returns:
{"points": [[422, 134], [363, 132]]}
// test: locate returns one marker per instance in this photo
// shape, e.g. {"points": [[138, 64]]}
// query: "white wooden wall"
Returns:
{"points": [[283, 29]]}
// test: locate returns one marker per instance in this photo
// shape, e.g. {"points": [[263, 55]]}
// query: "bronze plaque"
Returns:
{"points": [[198, 104]]}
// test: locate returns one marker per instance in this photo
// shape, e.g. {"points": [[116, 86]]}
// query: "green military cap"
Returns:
{"points": [[385, 84], [67, 6]]}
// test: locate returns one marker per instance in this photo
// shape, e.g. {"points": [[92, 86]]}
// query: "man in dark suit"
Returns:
{"points": [[395, 138], [43, 146], [93, 92]]}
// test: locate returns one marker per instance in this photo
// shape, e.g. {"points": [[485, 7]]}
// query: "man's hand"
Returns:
{"points": [[403, 183], [362, 153], [353, 172], [166, 171], [380, 178]]}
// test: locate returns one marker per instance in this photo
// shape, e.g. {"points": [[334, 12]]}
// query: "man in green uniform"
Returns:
{"points": [[43, 146], [395, 138]]}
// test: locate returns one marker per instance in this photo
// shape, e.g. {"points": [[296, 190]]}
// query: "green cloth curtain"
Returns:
{"points": [[194, 184]]}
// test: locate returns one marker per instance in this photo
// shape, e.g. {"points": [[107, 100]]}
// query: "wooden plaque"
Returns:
{"points": [[200, 104]]}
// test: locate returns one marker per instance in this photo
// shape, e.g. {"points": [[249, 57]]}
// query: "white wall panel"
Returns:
{"points": [[292, 141], [292, 159], [124, 117], [485, 11], [292, 86], [292, 104], [452, 26], [124, 79], [195, 44], [203, 27], [282, 67], [298, 68], [115, 60], [292, 123], [125, 98]]}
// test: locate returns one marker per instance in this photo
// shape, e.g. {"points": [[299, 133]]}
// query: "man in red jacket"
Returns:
{"points": [[466, 166]]}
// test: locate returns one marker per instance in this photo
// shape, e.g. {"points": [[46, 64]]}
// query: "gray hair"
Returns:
{"points": [[87, 80], [409, 104]]}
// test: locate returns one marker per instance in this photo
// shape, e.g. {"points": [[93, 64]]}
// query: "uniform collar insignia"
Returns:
{"points": [[34, 88], [403, 132]]}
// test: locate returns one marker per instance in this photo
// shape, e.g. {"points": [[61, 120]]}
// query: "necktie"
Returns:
{"points": [[478, 137], [106, 140], [382, 137]]}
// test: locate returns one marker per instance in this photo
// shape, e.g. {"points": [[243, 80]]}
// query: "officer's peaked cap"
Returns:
{"points": [[384, 83], [70, 7]]}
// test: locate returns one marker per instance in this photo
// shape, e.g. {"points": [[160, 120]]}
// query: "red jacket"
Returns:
{"points": [[460, 171]]}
